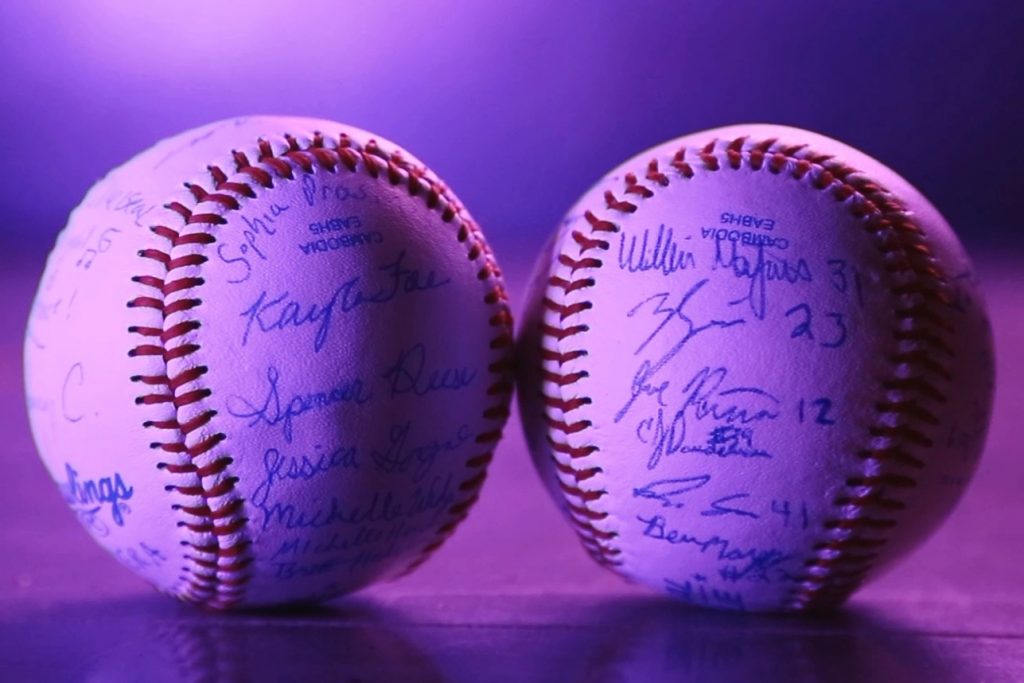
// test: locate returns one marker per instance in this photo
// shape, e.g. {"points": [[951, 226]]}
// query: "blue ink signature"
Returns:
{"points": [[349, 560], [719, 507], [758, 562], [278, 467], [710, 400], [305, 546], [670, 492], [276, 313], [255, 227], [665, 255], [381, 507], [727, 440], [140, 557], [272, 412], [665, 491], [409, 375], [88, 496], [760, 269], [696, 592], [643, 380], [399, 457], [312, 192], [101, 246], [705, 397], [132, 203]]}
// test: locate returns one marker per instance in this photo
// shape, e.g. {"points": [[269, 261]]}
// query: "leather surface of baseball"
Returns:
{"points": [[756, 368], [267, 362]]}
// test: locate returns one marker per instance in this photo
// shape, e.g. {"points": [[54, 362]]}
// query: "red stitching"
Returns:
{"points": [[563, 332], [216, 574], [633, 186], [587, 243], [894, 454], [919, 285], [875, 499], [570, 286]]}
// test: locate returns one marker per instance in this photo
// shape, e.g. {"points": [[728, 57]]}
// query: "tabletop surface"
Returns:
{"points": [[512, 596]]}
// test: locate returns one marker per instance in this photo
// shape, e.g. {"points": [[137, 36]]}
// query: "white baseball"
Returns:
{"points": [[268, 362], [756, 368]]}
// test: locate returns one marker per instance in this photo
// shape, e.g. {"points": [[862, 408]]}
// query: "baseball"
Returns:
{"points": [[268, 362], [756, 369]]}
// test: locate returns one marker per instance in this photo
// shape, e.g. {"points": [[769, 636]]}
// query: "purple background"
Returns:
{"points": [[520, 107]]}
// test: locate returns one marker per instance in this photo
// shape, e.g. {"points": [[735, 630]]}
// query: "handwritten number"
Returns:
{"points": [[824, 411], [106, 239], [784, 510], [837, 267], [803, 327], [840, 337], [841, 281], [824, 406], [103, 244]]}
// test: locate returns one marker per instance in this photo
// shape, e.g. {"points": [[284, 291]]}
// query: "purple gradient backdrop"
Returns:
{"points": [[519, 106]]}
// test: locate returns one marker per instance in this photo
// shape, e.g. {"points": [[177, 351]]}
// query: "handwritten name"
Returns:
{"points": [[759, 268], [704, 392], [381, 507], [705, 397], [755, 563], [303, 546], [697, 592], [727, 440], [663, 254], [279, 467], [93, 494], [669, 492], [130, 203], [672, 492], [314, 191], [276, 313], [140, 557], [272, 411], [257, 230], [686, 330], [296, 570], [400, 457], [410, 374]]}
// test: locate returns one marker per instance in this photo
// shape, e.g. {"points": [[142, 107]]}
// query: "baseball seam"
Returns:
{"points": [[838, 563], [217, 558]]}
